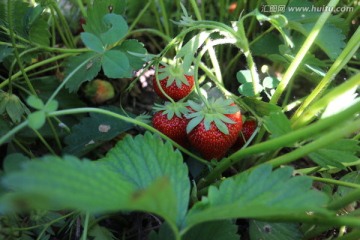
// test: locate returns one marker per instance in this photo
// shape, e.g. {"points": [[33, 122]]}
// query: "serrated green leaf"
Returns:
{"points": [[93, 131], [81, 68], [15, 108], [37, 119], [52, 182], [129, 47], [265, 45], [274, 231], [35, 102], [335, 154], [39, 31], [330, 38], [216, 230], [277, 124], [117, 29], [261, 108], [260, 193], [93, 42], [115, 64], [98, 10], [144, 159]]}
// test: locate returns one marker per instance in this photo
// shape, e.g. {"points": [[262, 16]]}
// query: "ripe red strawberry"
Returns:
{"points": [[247, 131], [171, 121], [174, 82], [213, 131]]}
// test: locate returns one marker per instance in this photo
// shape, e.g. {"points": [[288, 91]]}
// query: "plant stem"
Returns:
{"points": [[139, 16], [285, 140], [312, 111], [165, 17], [335, 182], [23, 148], [350, 49], [42, 139], [302, 52], [16, 52], [64, 24], [352, 196], [81, 7], [130, 120], [86, 225], [196, 9], [307, 171], [67, 79], [12, 132], [39, 64], [321, 142]]}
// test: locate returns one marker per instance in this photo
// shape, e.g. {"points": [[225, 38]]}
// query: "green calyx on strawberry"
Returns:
{"points": [[174, 80], [213, 129], [99, 91], [170, 120]]}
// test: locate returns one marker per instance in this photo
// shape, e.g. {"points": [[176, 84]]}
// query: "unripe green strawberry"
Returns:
{"points": [[171, 121], [174, 82], [99, 91], [216, 129]]}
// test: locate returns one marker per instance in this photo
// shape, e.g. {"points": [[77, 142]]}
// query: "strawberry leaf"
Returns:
{"points": [[13, 106], [277, 124], [258, 194], [53, 182], [118, 29], [215, 230], [330, 38], [93, 42], [93, 131], [130, 48], [82, 68], [145, 159], [138, 174], [98, 10], [343, 151], [274, 231], [37, 119], [115, 64]]}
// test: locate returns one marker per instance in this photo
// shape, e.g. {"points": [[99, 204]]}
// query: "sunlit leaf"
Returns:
{"points": [[260, 193]]}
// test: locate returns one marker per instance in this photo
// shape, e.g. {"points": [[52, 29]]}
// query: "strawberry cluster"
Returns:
{"points": [[210, 128]]}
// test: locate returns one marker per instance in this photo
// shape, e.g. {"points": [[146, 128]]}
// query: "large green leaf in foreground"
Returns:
{"points": [[143, 159], [141, 173], [261, 193]]}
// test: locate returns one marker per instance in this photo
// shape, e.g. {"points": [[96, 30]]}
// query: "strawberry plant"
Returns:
{"points": [[170, 120]]}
